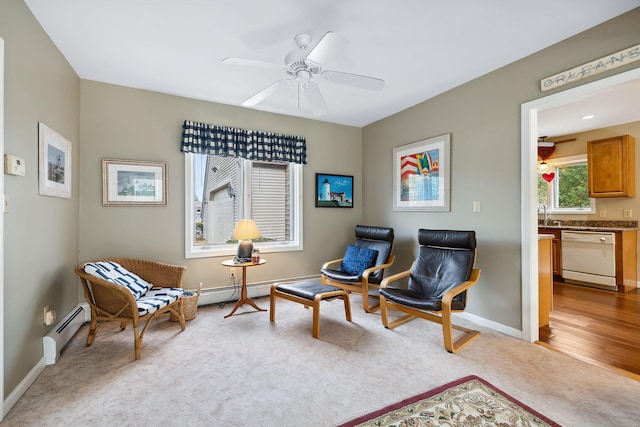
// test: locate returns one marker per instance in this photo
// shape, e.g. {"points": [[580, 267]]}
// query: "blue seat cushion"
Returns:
{"points": [[357, 259], [157, 298], [115, 273]]}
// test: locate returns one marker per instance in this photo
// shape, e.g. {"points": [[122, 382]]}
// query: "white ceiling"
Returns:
{"points": [[612, 106], [421, 48]]}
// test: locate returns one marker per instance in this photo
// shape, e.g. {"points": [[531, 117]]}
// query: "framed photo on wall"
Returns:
{"points": [[334, 191], [134, 183], [421, 175], [54, 163]]}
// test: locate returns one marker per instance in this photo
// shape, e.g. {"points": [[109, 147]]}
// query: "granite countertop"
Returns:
{"points": [[590, 225]]}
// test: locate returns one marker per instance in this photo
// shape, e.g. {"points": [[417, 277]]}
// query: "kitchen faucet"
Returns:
{"points": [[545, 213]]}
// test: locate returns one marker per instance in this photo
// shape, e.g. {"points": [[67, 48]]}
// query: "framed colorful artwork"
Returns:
{"points": [[421, 175], [334, 191]]}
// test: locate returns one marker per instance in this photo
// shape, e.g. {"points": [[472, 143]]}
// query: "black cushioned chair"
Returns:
{"points": [[378, 239], [438, 283]]}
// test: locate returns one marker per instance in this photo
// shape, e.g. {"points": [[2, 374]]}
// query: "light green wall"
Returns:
{"points": [[43, 240], [125, 123], [483, 118], [41, 232]]}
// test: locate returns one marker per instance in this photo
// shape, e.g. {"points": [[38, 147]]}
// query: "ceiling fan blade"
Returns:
{"points": [[313, 95], [356, 80], [265, 93], [252, 63], [328, 44]]}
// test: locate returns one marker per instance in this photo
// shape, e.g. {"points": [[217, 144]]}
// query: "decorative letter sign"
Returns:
{"points": [[609, 62]]}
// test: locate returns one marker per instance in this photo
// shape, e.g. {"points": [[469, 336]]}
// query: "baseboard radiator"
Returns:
{"points": [[59, 336]]}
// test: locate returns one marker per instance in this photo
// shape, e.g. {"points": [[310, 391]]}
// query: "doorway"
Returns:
{"points": [[2, 230], [529, 217]]}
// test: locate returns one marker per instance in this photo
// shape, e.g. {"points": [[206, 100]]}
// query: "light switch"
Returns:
{"points": [[476, 206]]}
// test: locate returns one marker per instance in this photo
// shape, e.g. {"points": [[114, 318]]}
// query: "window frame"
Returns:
{"points": [[206, 251], [552, 187]]}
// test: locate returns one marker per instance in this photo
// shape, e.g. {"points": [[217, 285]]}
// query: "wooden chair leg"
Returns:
{"points": [[347, 306], [447, 333], [316, 317], [365, 304], [92, 330], [137, 342], [272, 304], [181, 318], [384, 312]]}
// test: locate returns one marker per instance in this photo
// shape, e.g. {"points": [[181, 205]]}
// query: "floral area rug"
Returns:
{"points": [[469, 401]]}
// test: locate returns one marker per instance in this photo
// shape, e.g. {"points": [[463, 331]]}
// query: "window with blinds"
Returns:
{"points": [[222, 190], [270, 207]]}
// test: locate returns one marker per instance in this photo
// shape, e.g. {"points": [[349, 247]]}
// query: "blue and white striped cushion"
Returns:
{"points": [[157, 298], [115, 273]]}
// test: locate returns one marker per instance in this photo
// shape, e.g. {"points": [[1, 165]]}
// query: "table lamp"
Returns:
{"points": [[245, 230]]}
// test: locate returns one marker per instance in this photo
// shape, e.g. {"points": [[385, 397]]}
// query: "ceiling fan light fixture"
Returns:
{"points": [[303, 66], [296, 56]]}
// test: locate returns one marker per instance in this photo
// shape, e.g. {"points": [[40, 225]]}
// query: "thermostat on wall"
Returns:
{"points": [[14, 165]]}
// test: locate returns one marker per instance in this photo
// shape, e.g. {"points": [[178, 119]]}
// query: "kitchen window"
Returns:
{"points": [[568, 191], [221, 190]]}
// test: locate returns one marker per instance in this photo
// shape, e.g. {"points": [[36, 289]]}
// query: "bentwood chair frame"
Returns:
{"points": [[110, 302]]}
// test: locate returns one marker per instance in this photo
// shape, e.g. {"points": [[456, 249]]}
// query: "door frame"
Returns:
{"points": [[2, 230], [528, 180]]}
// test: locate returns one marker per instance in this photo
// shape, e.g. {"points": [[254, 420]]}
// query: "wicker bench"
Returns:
{"points": [[309, 294]]}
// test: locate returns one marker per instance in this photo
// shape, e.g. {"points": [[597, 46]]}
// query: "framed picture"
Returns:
{"points": [[421, 175], [134, 183], [54, 163], [334, 191]]}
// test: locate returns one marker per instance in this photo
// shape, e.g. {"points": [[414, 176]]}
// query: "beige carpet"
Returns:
{"points": [[245, 371]]}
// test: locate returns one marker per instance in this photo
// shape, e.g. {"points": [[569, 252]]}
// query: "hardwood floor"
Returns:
{"points": [[598, 326]]}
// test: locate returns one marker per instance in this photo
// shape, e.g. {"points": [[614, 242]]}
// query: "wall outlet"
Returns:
{"points": [[49, 316], [602, 213], [233, 272], [627, 213]]}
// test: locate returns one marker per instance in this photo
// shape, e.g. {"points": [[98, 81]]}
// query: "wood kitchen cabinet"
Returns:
{"points": [[626, 260], [611, 167], [556, 250], [545, 281]]}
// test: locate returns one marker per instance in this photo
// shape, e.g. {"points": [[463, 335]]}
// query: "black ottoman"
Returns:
{"points": [[309, 294]]}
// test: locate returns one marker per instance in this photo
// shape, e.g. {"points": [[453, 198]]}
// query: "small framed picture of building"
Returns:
{"points": [[134, 183], [55, 166], [334, 191]]}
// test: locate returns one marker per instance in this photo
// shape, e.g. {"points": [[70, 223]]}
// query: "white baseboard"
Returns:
{"points": [[498, 327], [254, 290], [26, 382]]}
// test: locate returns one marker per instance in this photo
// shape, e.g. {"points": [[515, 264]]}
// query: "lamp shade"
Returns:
{"points": [[246, 229]]}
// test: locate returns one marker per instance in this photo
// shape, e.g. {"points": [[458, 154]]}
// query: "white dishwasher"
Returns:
{"points": [[589, 258]]}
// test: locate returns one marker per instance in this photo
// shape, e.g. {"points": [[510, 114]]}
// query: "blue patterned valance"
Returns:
{"points": [[250, 144]]}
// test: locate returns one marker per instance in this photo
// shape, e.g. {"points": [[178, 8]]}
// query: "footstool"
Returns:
{"points": [[310, 294]]}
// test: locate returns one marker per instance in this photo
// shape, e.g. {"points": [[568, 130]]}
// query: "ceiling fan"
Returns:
{"points": [[302, 67]]}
